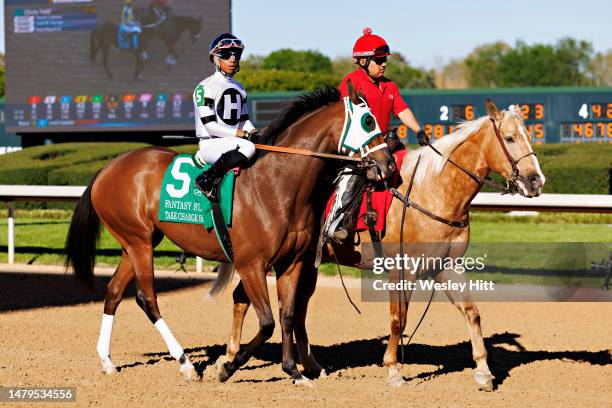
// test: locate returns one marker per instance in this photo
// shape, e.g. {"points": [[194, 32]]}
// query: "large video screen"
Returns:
{"points": [[82, 65]]}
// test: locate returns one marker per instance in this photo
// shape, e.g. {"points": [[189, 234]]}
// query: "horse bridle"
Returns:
{"points": [[514, 163], [511, 186]]}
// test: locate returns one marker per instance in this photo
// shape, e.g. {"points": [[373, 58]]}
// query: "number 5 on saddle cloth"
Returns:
{"points": [[180, 201]]}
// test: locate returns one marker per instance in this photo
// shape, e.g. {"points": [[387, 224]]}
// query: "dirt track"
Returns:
{"points": [[543, 354]]}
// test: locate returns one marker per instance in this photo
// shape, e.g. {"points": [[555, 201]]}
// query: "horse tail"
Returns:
{"points": [[93, 45], [225, 272], [83, 236]]}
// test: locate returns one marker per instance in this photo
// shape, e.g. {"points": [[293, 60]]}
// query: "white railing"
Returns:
{"points": [[483, 201]]}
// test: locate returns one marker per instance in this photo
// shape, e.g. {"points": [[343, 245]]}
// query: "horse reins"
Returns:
{"points": [[304, 152]]}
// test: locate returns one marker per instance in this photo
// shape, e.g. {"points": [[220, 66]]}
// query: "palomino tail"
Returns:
{"points": [[83, 235], [93, 45], [225, 272]]}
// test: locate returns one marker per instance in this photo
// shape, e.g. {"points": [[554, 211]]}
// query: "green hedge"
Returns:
{"points": [[576, 169], [35, 165]]}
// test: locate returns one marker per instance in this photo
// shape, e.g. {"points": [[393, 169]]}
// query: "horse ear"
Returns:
{"points": [[492, 110], [352, 93]]}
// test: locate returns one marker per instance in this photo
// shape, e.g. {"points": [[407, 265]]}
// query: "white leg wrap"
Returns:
{"points": [[106, 330], [174, 347]]}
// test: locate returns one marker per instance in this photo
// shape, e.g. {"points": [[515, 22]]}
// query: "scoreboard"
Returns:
{"points": [[56, 81], [552, 115]]}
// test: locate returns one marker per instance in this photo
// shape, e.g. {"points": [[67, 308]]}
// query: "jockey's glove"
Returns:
{"points": [[422, 137], [253, 136]]}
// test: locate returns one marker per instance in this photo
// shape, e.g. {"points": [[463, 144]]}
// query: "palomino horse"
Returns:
{"points": [[274, 219], [447, 192]]}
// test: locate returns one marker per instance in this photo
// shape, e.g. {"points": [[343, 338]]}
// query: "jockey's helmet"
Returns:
{"points": [[370, 45], [225, 44]]}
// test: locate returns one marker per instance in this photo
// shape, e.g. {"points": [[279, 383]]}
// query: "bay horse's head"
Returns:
{"points": [[361, 136], [509, 152]]}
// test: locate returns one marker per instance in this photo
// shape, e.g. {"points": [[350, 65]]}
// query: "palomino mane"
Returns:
{"points": [[302, 105], [432, 164]]}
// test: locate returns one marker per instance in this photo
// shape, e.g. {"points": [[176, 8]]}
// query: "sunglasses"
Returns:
{"points": [[379, 60], [227, 53]]}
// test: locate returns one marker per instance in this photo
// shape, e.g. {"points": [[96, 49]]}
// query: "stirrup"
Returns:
{"points": [[337, 232], [210, 193]]}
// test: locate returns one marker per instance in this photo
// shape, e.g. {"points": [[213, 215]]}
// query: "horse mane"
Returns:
{"points": [[431, 163], [300, 106]]}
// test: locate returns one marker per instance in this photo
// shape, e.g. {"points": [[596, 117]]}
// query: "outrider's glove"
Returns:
{"points": [[422, 136]]}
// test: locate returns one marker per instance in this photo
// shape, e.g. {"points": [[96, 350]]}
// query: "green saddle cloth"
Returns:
{"points": [[181, 201]]}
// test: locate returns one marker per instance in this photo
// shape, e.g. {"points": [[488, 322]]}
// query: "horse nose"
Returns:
{"points": [[535, 182]]}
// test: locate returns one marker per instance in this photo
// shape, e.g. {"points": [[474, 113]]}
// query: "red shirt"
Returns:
{"points": [[383, 99]]}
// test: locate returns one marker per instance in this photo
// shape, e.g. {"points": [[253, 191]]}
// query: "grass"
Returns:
{"points": [[40, 236]]}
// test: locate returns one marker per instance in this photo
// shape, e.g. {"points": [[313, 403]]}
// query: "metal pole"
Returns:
{"points": [[198, 264], [11, 233]]}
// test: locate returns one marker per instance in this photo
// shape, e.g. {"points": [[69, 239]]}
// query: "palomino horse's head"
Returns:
{"points": [[362, 136], [510, 154]]}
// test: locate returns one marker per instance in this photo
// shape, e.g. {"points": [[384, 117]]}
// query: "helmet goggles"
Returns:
{"points": [[228, 43]]}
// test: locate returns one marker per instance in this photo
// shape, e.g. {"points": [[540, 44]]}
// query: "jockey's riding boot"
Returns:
{"points": [[348, 200], [208, 181]]}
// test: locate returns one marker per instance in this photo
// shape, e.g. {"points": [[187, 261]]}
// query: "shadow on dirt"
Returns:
{"points": [[505, 353], [32, 290]]}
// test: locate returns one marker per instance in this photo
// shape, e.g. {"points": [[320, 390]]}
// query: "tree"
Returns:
{"points": [[269, 80], [563, 64], [300, 61], [483, 64], [407, 76], [599, 69], [453, 75]]}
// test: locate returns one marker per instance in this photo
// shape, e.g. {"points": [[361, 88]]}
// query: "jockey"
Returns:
{"points": [[129, 24], [222, 118], [383, 97]]}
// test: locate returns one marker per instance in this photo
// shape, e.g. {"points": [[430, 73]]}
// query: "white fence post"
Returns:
{"points": [[198, 264], [11, 232]]}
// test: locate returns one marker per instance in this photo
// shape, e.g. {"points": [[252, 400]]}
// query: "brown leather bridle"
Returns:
{"points": [[514, 163]]}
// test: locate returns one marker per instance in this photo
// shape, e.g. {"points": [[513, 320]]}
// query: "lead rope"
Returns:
{"points": [[343, 285], [402, 271]]}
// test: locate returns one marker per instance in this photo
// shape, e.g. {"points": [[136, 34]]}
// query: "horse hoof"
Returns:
{"points": [[320, 373], [223, 372], [396, 380], [108, 367], [303, 382], [188, 372], [484, 380]]}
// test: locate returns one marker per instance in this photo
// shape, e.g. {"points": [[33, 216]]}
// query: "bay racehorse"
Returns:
{"points": [[168, 29], [490, 143], [274, 218], [103, 37]]}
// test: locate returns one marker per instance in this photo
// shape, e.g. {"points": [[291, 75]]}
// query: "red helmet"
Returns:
{"points": [[370, 45]]}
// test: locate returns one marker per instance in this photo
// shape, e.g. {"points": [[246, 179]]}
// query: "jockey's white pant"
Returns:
{"points": [[131, 28], [212, 149]]}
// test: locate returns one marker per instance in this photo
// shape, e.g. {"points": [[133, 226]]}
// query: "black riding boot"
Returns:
{"points": [[208, 181], [343, 221]]}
